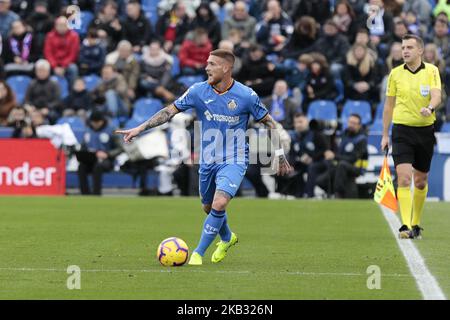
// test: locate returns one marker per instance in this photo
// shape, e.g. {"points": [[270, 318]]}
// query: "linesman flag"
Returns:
{"points": [[384, 192]]}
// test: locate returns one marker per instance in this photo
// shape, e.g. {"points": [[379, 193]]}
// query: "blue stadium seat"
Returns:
{"points": [[445, 127], [379, 111], [360, 107], [376, 127], [188, 81], [175, 66], [19, 85], [63, 85], [76, 124], [131, 123], [91, 81], [6, 132], [145, 108], [322, 110]]}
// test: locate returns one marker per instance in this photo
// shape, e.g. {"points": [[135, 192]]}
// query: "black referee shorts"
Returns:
{"points": [[413, 145]]}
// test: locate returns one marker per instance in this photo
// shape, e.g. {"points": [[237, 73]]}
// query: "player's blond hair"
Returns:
{"points": [[224, 54]]}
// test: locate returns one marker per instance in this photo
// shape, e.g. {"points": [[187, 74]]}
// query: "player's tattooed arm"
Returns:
{"points": [[281, 164], [161, 117]]}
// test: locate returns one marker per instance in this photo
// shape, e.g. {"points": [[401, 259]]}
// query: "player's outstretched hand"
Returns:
{"points": [[130, 134]]}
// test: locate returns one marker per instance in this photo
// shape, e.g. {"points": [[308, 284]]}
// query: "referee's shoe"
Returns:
{"points": [[405, 233], [417, 232]]}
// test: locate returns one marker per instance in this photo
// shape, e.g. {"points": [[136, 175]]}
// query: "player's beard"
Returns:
{"points": [[213, 80]]}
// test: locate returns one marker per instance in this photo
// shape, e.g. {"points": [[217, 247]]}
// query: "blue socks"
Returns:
{"points": [[213, 223], [225, 232]]}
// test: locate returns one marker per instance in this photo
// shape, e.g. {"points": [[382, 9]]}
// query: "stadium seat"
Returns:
{"points": [[131, 123], [376, 127], [145, 108], [175, 71], [379, 111], [6, 132], [19, 85], [91, 81], [445, 127], [322, 110], [360, 107], [188, 81], [63, 85], [76, 124]]}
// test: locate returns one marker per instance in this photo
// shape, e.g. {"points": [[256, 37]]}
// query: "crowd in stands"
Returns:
{"points": [[96, 65]]}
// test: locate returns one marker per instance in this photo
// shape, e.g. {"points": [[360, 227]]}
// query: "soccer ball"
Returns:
{"points": [[172, 252]]}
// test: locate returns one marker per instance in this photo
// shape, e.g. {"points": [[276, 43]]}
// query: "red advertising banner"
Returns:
{"points": [[31, 167]]}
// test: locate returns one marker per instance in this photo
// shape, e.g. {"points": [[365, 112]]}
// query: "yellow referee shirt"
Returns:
{"points": [[412, 92]]}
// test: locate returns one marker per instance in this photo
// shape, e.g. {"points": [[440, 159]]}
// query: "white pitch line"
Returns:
{"points": [[191, 270], [427, 284]]}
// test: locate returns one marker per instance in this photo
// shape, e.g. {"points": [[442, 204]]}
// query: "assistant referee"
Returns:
{"points": [[412, 96]]}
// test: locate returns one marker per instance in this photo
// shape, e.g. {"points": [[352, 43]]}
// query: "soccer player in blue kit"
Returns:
{"points": [[223, 106]]}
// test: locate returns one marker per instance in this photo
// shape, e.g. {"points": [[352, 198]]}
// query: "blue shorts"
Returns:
{"points": [[224, 177]]}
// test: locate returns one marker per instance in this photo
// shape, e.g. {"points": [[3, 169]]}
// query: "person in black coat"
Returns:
{"points": [[318, 9], [78, 101], [41, 22], [303, 38], [108, 25], [136, 27], [359, 74], [207, 20], [257, 72], [308, 146]]}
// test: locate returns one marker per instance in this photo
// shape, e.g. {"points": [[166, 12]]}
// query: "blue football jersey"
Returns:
{"points": [[224, 119]]}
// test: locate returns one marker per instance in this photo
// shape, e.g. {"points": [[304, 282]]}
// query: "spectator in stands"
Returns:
{"points": [[100, 141], [333, 46], [308, 145], [92, 54], [7, 17], [7, 102], [275, 29], [194, 53], [318, 9], [112, 92], [229, 46], [42, 93], [362, 37], [349, 162], [240, 20], [173, 26], [280, 106], [393, 60], [422, 8], [360, 74], [432, 55], [239, 45], [206, 19], [257, 72], [18, 50], [400, 30], [136, 27], [108, 26], [303, 38], [382, 27], [127, 65], [26, 128], [344, 18], [439, 36], [18, 119], [41, 23], [413, 24], [320, 83], [223, 9], [61, 49], [189, 6], [79, 101], [156, 78]]}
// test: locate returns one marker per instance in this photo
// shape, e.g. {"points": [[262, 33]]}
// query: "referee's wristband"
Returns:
{"points": [[430, 108], [279, 152]]}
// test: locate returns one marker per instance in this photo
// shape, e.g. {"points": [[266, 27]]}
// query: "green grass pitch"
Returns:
{"points": [[287, 249]]}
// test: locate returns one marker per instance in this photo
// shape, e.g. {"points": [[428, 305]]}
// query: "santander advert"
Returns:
{"points": [[31, 167]]}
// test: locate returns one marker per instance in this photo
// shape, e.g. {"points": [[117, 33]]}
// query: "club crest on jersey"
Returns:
{"points": [[232, 105], [424, 90]]}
